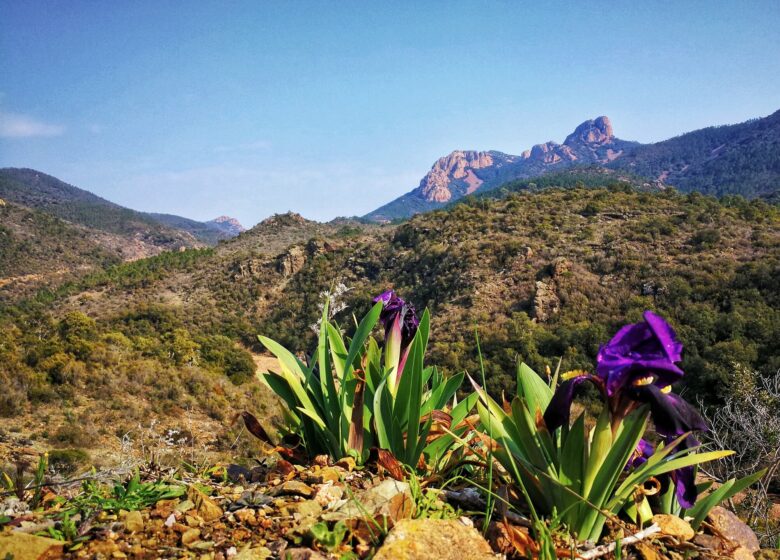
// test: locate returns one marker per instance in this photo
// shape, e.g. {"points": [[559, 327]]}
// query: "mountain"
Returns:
{"points": [[227, 225], [36, 246], [739, 159], [210, 232], [464, 172], [734, 159], [154, 232]]}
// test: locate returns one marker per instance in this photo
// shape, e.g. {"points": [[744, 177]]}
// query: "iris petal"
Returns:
{"points": [[559, 410], [672, 415], [665, 335], [639, 350]]}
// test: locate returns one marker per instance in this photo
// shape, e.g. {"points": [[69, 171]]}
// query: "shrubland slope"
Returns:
{"points": [[540, 275]]}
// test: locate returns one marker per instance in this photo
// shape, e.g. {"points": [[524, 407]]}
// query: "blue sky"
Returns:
{"points": [[334, 108]]}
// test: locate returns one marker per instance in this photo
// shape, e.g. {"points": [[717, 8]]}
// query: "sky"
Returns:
{"points": [[334, 108]]}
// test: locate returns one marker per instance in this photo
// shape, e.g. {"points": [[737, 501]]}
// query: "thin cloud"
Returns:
{"points": [[14, 125]]}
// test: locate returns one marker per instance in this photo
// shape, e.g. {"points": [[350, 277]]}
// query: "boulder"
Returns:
{"points": [[674, 526], [733, 528], [434, 539], [21, 546]]}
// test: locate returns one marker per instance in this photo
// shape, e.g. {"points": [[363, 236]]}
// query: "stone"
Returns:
{"points": [[457, 166], [674, 526], [710, 542], [433, 539], [185, 506], [328, 495], [246, 516], [13, 506], [134, 522], [207, 508], [190, 536], [293, 488], [733, 528], [330, 474], [546, 302], [302, 554], [390, 499], [560, 266], [346, 463], [21, 546], [742, 553], [306, 508], [257, 553]]}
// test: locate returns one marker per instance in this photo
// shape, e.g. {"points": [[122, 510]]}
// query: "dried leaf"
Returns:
{"points": [[254, 428], [387, 461], [520, 539], [355, 440]]}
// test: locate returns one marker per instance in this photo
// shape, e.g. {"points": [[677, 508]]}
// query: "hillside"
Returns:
{"points": [[210, 232], [540, 275], [36, 190], [38, 246], [739, 159]]}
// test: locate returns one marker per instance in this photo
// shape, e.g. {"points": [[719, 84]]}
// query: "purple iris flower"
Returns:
{"points": [[639, 350], [400, 321], [684, 479], [643, 452], [638, 367]]}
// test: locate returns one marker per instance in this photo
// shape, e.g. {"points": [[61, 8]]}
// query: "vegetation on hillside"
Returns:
{"points": [[36, 243], [37, 190], [605, 255], [739, 159]]}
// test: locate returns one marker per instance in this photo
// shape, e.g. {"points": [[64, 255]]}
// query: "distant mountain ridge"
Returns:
{"points": [[226, 224], [719, 160], [733, 159], [36, 190]]}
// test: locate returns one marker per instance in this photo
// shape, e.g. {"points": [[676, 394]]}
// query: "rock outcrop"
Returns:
{"points": [[597, 131], [434, 187], [463, 172], [227, 225], [291, 261], [546, 301]]}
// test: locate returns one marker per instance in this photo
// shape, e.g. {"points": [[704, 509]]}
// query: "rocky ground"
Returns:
{"points": [[320, 510]]}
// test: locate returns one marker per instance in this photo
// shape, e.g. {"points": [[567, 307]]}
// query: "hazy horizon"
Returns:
{"points": [[333, 110]]}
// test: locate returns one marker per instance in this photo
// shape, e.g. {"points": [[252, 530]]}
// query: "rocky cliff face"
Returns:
{"points": [[596, 131], [463, 172], [458, 167], [226, 224]]}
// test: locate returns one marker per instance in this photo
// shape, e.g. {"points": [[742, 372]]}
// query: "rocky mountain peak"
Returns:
{"points": [[549, 153], [595, 131], [228, 223], [458, 165]]}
